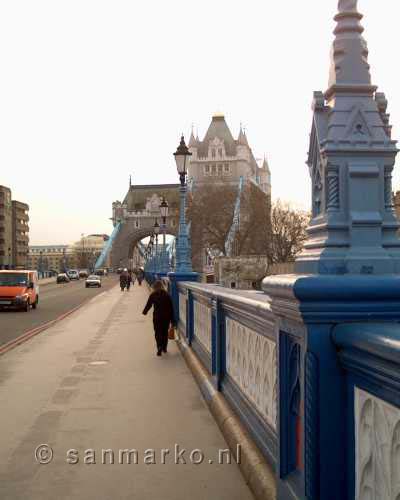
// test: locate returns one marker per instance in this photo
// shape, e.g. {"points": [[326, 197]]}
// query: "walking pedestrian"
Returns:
{"points": [[123, 279], [163, 315], [128, 282]]}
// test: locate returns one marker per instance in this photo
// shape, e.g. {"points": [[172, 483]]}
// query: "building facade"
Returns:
{"points": [[14, 231], [50, 257], [219, 158], [59, 258], [20, 233], [87, 250]]}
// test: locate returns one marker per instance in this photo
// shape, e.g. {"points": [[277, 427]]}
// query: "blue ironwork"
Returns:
{"points": [[107, 247], [236, 221], [183, 250]]}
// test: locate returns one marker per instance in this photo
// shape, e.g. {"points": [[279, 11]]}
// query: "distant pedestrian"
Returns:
{"points": [[123, 279], [128, 282], [163, 315]]}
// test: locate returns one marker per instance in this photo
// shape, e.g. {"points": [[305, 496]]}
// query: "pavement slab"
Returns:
{"points": [[94, 391]]}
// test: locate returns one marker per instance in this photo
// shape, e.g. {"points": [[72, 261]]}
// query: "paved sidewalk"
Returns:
{"points": [[93, 382]]}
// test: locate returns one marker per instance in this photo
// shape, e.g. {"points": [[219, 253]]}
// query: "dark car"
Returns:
{"points": [[63, 278]]}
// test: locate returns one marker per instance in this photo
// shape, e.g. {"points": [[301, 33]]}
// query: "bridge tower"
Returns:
{"points": [[136, 215]]}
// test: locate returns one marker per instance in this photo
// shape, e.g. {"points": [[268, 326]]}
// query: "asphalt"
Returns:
{"points": [[55, 300], [92, 386]]}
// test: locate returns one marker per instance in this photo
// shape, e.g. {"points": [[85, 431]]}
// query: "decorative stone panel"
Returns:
{"points": [[377, 429], [202, 324], [251, 363], [182, 310]]}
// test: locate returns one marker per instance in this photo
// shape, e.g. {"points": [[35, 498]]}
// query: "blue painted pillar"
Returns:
{"points": [[313, 439]]}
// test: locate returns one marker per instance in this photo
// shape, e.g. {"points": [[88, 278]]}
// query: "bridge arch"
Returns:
{"points": [[124, 247]]}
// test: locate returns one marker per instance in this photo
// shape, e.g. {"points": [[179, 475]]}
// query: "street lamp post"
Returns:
{"points": [[156, 229], [40, 263], [64, 261], [183, 267], [83, 260], [9, 258], [183, 253], [164, 207]]}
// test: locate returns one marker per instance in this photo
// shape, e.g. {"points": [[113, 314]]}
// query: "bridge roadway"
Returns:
{"points": [[55, 300], [93, 383]]}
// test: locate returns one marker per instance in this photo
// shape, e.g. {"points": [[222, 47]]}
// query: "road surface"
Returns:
{"points": [[54, 301]]}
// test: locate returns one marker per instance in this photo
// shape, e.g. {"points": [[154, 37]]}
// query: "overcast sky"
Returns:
{"points": [[92, 91]]}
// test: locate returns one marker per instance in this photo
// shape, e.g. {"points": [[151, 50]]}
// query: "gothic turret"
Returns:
{"points": [[193, 145], [351, 158], [264, 175], [242, 139]]}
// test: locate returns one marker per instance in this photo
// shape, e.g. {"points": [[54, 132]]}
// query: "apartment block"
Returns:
{"points": [[14, 231], [20, 232]]}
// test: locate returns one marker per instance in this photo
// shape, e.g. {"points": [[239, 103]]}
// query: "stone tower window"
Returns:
{"points": [[213, 153]]}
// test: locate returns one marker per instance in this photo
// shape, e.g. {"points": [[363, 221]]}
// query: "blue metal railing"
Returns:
{"points": [[107, 247]]}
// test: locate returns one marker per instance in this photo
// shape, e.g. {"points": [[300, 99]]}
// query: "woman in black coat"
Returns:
{"points": [[163, 315]]}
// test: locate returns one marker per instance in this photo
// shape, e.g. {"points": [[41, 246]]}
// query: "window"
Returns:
{"points": [[137, 224], [213, 153], [227, 169], [220, 152], [219, 169], [207, 170], [214, 170]]}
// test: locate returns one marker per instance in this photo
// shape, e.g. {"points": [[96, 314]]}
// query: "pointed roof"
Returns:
{"points": [[349, 68], [218, 128], [242, 139], [192, 141], [265, 165]]}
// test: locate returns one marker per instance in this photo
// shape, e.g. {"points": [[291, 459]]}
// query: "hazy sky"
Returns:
{"points": [[93, 90]]}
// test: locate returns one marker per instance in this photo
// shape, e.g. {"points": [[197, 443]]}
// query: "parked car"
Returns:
{"points": [[62, 278], [93, 281], [73, 274], [19, 289], [83, 273]]}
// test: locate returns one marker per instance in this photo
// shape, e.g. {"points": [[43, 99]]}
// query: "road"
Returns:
{"points": [[55, 300]]}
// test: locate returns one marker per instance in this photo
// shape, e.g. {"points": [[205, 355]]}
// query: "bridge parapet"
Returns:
{"points": [[317, 388]]}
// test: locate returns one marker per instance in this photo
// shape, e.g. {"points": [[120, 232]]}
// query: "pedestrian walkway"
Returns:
{"points": [[93, 383]]}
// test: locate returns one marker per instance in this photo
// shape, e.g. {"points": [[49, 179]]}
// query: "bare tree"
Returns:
{"points": [[288, 232], [210, 211], [254, 231]]}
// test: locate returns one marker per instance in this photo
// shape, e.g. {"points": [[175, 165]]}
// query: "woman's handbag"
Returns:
{"points": [[171, 333]]}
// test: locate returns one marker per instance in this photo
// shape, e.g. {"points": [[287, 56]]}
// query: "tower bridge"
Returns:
{"points": [[135, 217]]}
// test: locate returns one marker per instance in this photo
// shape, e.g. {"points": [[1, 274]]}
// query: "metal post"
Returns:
{"points": [[183, 250]]}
